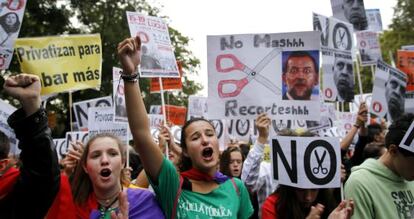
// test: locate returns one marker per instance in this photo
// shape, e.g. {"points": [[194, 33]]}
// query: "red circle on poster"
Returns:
{"points": [[15, 5], [377, 107], [143, 36], [328, 92]]}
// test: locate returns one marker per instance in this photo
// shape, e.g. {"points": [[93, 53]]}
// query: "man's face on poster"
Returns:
{"points": [[354, 11], [394, 95], [300, 77], [343, 75]]}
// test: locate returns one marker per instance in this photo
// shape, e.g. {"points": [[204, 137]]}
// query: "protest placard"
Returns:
{"points": [[81, 136], [156, 120], [407, 142], [352, 12], [405, 62], [61, 147], [337, 54], [368, 47], [388, 95], [176, 114], [374, 19], [80, 109], [63, 63], [157, 53], [168, 84], [197, 107], [119, 96], [306, 162], [11, 19], [101, 120], [246, 75], [5, 111]]}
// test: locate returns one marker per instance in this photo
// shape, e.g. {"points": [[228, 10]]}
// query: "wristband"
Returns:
{"points": [[130, 78], [357, 126]]}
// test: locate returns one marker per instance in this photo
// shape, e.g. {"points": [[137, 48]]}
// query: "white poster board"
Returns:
{"points": [[368, 47], [243, 67], [388, 94], [81, 136], [80, 109], [407, 142], [197, 107], [374, 19], [101, 120], [61, 147], [157, 53], [118, 96], [306, 162], [5, 111], [352, 12]]}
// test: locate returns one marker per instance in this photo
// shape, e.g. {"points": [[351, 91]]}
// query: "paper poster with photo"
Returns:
{"points": [[407, 142], [345, 122], [405, 62], [352, 12], [374, 19], [118, 96], [101, 120], [388, 98], [197, 107], [306, 162], [338, 77], [5, 111], [368, 47], [157, 53], [80, 109], [11, 19], [244, 65], [328, 116]]}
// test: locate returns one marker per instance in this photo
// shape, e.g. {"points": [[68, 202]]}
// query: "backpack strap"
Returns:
{"points": [[235, 186], [177, 196]]}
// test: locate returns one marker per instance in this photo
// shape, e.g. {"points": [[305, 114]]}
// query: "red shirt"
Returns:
{"points": [[268, 207]]}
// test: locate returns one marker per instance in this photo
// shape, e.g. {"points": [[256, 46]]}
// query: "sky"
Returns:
{"points": [[198, 18]]}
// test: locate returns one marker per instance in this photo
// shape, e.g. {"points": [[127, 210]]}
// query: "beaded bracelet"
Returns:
{"points": [[130, 78]]}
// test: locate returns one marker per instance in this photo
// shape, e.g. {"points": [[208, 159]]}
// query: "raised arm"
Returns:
{"points": [[129, 52], [362, 118]]}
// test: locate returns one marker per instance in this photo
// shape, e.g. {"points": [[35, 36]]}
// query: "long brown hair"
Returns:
{"points": [[225, 159], [81, 184]]}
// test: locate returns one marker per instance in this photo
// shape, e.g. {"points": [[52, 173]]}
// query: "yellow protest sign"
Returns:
{"points": [[63, 63]]}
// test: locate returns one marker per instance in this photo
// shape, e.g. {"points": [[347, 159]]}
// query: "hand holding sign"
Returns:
{"points": [[129, 53], [25, 88]]}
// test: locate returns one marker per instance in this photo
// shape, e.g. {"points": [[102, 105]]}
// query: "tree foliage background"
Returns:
{"points": [[108, 18]]}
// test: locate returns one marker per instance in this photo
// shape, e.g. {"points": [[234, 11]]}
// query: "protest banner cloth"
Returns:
{"points": [[337, 48], [197, 107], [101, 120], [368, 47], [63, 63], [388, 97], [118, 96], [157, 53], [306, 162], [168, 84], [5, 111], [246, 77], [11, 19], [374, 19], [81, 109]]}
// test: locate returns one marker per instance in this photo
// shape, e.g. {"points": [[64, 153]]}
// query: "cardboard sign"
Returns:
{"points": [[168, 84], [119, 96], [72, 137], [61, 147], [157, 53], [244, 65], [63, 63], [374, 19], [80, 109], [11, 19], [5, 111], [388, 94], [368, 47], [407, 141], [101, 120], [306, 162]]}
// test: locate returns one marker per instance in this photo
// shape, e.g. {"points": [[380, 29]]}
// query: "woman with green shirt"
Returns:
{"points": [[200, 190]]}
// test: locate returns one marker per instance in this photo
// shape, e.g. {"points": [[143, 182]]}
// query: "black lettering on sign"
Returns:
{"points": [[242, 127], [307, 162], [410, 138], [218, 126], [291, 170]]}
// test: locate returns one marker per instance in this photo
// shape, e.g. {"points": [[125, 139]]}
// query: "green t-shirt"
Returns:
{"points": [[222, 202]]}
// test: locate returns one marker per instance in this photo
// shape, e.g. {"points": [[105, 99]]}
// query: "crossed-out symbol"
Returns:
{"points": [[320, 168]]}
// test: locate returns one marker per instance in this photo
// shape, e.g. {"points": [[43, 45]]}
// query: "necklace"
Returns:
{"points": [[105, 210]]}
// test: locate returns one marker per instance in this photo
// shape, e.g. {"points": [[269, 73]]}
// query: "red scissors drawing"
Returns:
{"points": [[251, 74]]}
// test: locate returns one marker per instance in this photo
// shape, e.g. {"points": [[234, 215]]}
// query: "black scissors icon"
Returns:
{"points": [[320, 168]]}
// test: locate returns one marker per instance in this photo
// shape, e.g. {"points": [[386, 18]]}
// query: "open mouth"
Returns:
{"points": [[207, 153], [105, 172]]}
